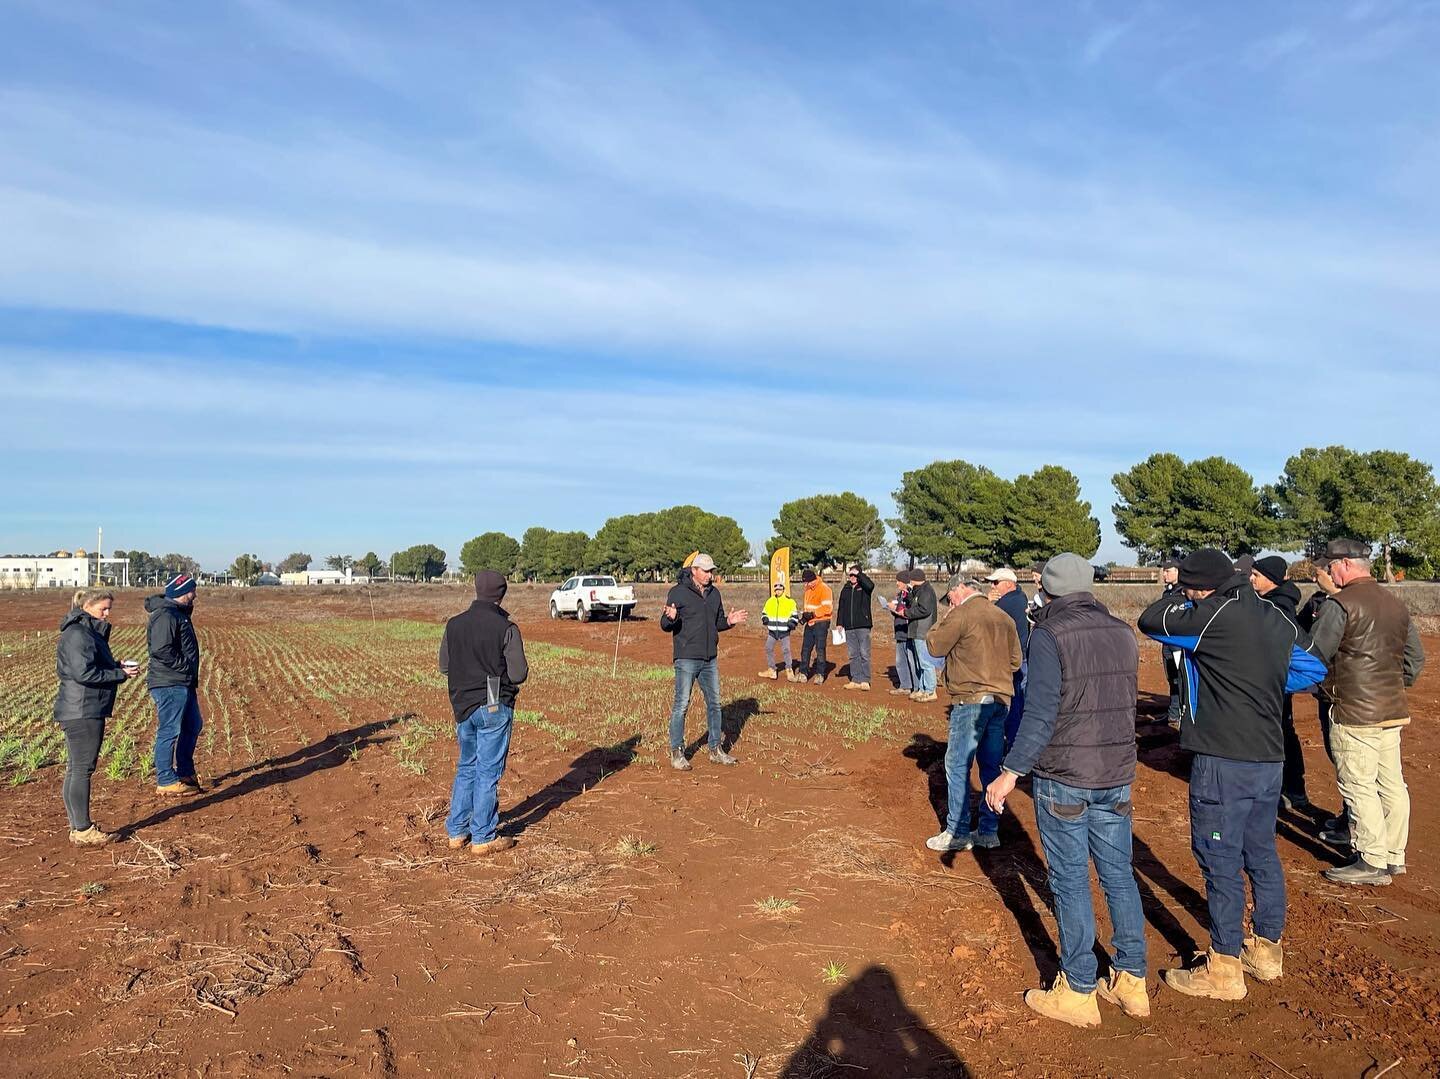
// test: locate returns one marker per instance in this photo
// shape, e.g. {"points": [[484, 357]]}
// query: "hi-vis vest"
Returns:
{"points": [[780, 615]]}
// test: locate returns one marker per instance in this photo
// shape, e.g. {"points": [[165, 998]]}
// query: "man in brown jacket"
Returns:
{"points": [[982, 654], [1372, 647]]}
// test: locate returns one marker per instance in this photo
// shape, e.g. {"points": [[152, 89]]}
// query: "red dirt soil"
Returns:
{"points": [[304, 916]]}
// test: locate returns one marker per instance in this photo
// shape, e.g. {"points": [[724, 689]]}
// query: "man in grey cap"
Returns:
{"points": [[1078, 738], [695, 616], [1367, 638]]}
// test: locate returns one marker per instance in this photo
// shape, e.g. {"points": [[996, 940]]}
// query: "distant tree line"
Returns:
{"points": [[1390, 500], [953, 510]]}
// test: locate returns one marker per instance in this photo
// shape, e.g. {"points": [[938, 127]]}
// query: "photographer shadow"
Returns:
{"points": [[868, 1028]]}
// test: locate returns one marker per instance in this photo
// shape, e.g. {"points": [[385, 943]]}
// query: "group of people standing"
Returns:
{"points": [[1048, 689], [1045, 689], [89, 679]]}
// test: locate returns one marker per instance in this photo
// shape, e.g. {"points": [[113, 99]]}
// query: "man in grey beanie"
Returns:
{"points": [[1077, 736]]}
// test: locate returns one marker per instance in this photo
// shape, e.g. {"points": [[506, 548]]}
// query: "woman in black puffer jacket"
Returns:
{"points": [[88, 677]]}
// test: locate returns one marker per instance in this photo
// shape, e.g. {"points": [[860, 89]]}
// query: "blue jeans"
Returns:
{"points": [[905, 666], [976, 730], [484, 739], [687, 673], [177, 711], [924, 669], [1232, 829], [1077, 827]]}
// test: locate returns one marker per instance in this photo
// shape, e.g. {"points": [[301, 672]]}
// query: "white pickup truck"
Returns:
{"points": [[590, 597]]}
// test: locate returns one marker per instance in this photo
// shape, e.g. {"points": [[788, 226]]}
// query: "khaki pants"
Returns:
{"points": [[1367, 763]]}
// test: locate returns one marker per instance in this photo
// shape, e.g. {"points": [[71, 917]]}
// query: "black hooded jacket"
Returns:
{"points": [[174, 650], [87, 671]]}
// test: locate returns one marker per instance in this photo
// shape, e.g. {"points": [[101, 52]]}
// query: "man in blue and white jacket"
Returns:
{"points": [[1241, 656]]}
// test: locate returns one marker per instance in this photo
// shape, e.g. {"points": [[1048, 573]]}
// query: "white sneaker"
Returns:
{"points": [[946, 841]]}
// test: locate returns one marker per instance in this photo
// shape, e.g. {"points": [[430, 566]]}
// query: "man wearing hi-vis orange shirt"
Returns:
{"points": [[819, 606]]}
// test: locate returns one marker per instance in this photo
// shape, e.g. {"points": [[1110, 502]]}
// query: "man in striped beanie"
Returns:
{"points": [[173, 677]]}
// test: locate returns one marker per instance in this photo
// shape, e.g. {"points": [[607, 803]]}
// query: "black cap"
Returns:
{"points": [[490, 586], [1342, 548], [1244, 564], [808, 575], [1170, 563], [1207, 569]]}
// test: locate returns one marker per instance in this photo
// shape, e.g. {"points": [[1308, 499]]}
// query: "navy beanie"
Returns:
{"points": [[182, 584]]}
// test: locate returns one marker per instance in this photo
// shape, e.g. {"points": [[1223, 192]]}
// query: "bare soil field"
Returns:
{"points": [[303, 916]]}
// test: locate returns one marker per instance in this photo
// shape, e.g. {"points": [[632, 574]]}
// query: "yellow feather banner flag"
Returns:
{"points": [[780, 569], [690, 558]]}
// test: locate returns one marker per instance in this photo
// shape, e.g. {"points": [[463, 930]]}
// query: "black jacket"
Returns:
{"points": [[699, 620], [1285, 596], [87, 671], [481, 643], [1079, 721], [852, 610], [174, 651], [920, 609], [1241, 657]]}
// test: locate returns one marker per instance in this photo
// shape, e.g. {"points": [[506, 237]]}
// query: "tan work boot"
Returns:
{"points": [[1063, 1003], [92, 837], [1261, 958], [1126, 992], [458, 841], [495, 846], [851, 685], [791, 675], [1220, 977], [175, 790], [863, 687], [769, 672]]}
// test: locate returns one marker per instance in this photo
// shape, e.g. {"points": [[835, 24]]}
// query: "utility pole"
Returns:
{"points": [[99, 550]]}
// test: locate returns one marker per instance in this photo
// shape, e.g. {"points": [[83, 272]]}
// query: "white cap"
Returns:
{"points": [[1004, 575], [703, 561]]}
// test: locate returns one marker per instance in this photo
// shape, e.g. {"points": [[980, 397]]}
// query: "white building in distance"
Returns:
{"points": [[323, 576], [45, 572]]}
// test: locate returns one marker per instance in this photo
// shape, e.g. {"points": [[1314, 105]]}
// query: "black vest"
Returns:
{"points": [[1093, 746], [475, 641]]}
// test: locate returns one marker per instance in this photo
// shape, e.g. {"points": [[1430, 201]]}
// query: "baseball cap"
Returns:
{"points": [[1342, 548], [703, 561], [1003, 574]]}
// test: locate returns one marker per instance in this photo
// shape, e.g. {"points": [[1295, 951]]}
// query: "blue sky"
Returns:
{"points": [[339, 277]]}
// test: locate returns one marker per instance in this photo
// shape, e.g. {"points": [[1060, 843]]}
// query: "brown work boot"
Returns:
{"points": [[458, 841], [495, 846], [193, 782], [1220, 977], [175, 790], [1126, 992], [1262, 958], [92, 837], [768, 672], [1063, 1003]]}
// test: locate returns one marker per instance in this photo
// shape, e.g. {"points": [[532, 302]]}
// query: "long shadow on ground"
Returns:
{"points": [[734, 716], [332, 750], [868, 1029], [1015, 869], [586, 770]]}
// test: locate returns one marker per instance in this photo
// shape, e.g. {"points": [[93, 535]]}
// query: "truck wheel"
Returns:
{"points": [[581, 613], [554, 610]]}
